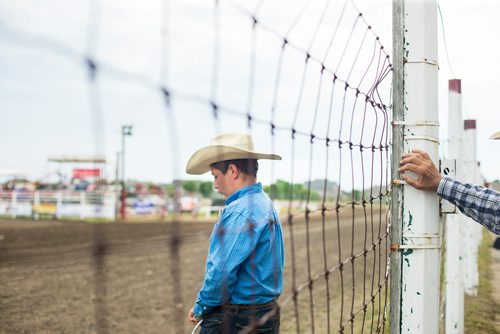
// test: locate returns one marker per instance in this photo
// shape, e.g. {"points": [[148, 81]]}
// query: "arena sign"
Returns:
{"points": [[82, 173]]}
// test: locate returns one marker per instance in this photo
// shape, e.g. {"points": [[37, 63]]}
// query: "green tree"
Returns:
{"points": [[299, 193], [170, 190], [189, 186], [314, 196], [282, 189], [206, 188], [357, 195]]}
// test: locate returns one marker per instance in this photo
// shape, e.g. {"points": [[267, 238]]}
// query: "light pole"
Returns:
{"points": [[126, 131]]}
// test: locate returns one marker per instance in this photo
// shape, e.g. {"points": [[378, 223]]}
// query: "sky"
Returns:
{"points": [[48, 106]]}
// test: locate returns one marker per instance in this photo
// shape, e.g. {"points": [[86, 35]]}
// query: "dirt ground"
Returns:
{"points": [[73, 277]]}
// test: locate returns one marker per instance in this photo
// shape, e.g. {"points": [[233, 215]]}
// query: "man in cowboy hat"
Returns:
{"points": [[476, 202], [243, 274]]}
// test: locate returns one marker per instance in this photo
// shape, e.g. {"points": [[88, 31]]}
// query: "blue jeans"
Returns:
{"points": [[233, 319]]}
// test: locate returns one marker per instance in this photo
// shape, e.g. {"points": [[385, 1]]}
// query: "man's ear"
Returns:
{"points": [[233, 170]]}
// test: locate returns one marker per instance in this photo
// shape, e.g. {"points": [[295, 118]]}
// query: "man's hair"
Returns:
{"points": [[247, 166]]}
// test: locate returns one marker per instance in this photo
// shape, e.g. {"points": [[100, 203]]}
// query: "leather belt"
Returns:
{"points": [[248, 306]]}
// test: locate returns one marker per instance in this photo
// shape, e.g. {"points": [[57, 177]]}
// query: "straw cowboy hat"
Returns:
{"points": [[496, 135], [229, 146]]}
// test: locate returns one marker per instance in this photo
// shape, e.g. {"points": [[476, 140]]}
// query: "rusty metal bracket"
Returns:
{"points": [[421, 61], [419, 241], [417, 123], [432, 139], [395, 247], [398, 182]]}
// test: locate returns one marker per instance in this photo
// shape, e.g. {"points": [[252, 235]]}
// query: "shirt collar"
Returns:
{"points": [[251, 189]]}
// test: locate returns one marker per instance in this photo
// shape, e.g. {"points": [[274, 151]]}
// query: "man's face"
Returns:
{"points": [[221, 182]]}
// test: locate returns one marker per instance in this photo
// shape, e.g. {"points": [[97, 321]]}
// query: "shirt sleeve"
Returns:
{"points": [[478, 203], [232, 241]]}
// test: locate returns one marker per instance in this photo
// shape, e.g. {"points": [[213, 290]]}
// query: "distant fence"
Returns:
{"points": [[58, 204], [102, 204]]}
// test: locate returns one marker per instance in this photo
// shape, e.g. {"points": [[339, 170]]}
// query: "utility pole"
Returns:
{"points": [[117, 185], [126, 131]]}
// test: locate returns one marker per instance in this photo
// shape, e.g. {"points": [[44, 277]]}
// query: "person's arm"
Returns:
{"points": [[231, 244], [478, 203]]}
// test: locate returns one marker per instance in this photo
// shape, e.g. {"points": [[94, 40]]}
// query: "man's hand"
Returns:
{"points": [[191, 316], [419, 162]]}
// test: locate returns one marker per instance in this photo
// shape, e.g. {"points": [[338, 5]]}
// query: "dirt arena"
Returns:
{"points": [[73, 277]]}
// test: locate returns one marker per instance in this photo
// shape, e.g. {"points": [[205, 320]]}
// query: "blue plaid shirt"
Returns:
{"points": [[478, 203], [246, 256]]}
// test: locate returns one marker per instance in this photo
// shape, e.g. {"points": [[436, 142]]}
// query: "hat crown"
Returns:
{"points": [[236, 140]]}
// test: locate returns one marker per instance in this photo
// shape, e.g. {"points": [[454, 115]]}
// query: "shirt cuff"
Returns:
{"points": [[200, 309], [441, 187]]}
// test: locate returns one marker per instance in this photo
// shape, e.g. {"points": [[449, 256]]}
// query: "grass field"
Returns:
{"points": [[69, 277], [480, 310]]}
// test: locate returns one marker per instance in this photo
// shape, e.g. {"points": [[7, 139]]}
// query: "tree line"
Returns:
{"points": [[279, 190]]}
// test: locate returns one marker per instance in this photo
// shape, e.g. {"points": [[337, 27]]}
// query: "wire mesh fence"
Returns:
{"points": [[309, 81]]}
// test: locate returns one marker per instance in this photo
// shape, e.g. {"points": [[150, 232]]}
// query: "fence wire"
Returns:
{"points": [[310, 81]]}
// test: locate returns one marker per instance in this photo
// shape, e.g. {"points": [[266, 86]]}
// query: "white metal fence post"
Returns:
{"points": [[419, 210], [59, 202], [36, 204], [470, 227], [82, 205], [454, 283], [36, 198], [13, 204]]}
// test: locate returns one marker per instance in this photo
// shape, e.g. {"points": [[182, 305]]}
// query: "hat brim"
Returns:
{"points": [[200, 161], [496, 135]]}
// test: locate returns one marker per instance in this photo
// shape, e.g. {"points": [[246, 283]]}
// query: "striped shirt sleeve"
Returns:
{"points": [[478, 203]]}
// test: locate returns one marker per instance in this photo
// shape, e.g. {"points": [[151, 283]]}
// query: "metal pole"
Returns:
{"points": [[82, 205], [123, 192], [59, 200], [454, 284], [419, 210], [126, 131], [478, 179], [470, 228], [397, 150], [36, 202], [13, 204], [117, 187]]}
